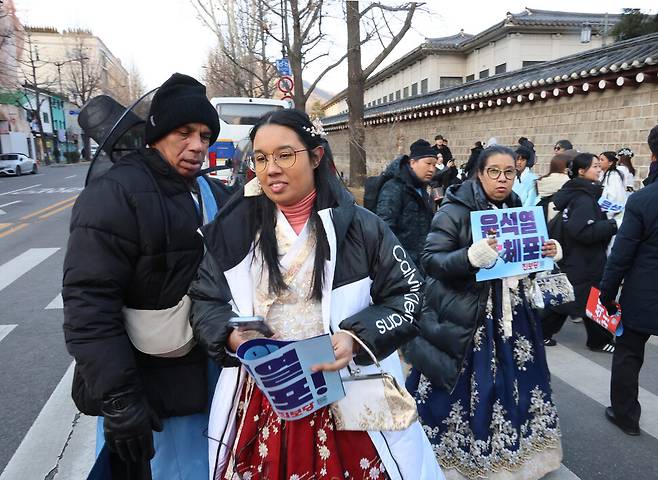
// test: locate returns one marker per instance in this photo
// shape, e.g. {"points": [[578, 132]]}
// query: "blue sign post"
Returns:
{"points": [[283, 66], [520, 233]]}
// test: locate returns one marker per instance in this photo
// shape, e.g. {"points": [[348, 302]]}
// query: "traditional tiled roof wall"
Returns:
{"points": [[623, 64]]}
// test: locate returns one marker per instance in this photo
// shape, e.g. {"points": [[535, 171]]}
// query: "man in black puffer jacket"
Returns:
{"points": [[403, 202], [134, 248]]}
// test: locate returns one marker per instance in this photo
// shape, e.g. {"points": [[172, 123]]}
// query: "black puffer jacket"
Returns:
{"points": [[407, 212], [454, 303], [133, 243], [634, 259], [585, 238], [365, 248]]}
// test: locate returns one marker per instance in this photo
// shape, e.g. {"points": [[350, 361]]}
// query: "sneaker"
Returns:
{"points": [[607, 348], [576, 319], [610, 415], [549, 342]]}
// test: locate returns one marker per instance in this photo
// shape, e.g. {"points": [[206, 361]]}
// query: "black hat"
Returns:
{"points": [[178, 101], [421, 149]]}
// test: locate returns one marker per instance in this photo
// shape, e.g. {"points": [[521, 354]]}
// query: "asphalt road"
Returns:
{"points": [[41, 435]]}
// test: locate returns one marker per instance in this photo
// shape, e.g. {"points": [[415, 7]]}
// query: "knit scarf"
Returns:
{"points": [[298, 214]]}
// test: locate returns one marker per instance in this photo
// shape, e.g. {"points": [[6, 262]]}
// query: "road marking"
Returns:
{"points": [[39, 452], [653, 340], [72, 176], [562, 473], [5, 225], [2, 212], [18, 227], [20, 189], [22, 264], [57, 303], [5, 329], [49, 207], [48, 190], [593, 380], [53, 212]]}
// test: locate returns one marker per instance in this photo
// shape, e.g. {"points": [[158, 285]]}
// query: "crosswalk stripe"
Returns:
{"points": [[45, 441], [5, 329], [562, 473], [22, 264], [653, 340], [57, 303], [593, 380]]}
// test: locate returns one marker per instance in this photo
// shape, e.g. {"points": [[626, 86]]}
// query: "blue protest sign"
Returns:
{"points": [[608, 205], [520, 233], [283, 66]]}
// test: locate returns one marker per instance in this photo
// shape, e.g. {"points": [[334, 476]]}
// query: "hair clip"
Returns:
{"points": [[626, 152], [317, 130]]}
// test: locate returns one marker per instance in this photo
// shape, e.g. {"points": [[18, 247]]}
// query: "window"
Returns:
{"points": [[423, 86], [484, 73], [390, 97], [243, 113], [406, 92], [530, 63], [397, 95], [384, 99], [414, 89], [470, 78], [447, 82], [502, 68], [46, 118]]}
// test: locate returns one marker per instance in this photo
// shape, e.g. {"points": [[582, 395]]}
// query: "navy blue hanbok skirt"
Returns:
{"points": [[500, 420]]}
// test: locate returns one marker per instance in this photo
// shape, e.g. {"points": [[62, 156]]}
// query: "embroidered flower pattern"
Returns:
{"points": [[522, 352]]}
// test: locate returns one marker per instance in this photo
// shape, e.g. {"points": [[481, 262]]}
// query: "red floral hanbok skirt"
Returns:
{"points": [[268, 448]]}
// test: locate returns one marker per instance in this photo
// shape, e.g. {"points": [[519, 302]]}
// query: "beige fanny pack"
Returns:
{"points": [[161, 333]]}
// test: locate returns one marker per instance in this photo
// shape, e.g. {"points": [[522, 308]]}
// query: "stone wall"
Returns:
{"points": [[594, 122]]}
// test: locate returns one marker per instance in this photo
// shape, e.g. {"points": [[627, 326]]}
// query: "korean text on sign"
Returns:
{"points": [[282, 371], [520, 233]]}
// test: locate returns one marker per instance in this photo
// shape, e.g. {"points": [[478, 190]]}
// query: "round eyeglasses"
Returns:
{"points": [[494, 173], [284, 158]]}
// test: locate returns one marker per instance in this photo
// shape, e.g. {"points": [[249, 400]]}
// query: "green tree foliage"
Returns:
{"points": [[634, 23]]}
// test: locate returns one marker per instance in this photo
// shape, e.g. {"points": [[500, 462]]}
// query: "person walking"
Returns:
{"points": [[525, 184], [441, 147], [633, 261], [586, 233], [294, 248], [550, 183], [625, 166], [479, 371], [403, 201], [132, 253], [613, 180]]}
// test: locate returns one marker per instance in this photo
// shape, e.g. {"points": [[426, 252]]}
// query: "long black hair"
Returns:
{"points": [[265, 214], [612, 158], [581, 161]]}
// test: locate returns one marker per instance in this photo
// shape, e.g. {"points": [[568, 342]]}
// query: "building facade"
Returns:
{"points": [[518, 41], [601, 100]]}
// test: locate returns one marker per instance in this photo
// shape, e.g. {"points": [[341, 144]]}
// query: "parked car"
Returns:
{"points": [[16, 164]]}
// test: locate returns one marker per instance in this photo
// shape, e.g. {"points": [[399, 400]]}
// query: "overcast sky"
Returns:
{"points": [[164, 36]]}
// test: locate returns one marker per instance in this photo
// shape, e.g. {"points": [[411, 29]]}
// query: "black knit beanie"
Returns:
{"points": [[179, 101], [421, 149]]}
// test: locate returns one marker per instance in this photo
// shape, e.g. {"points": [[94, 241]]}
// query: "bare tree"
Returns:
{"points": [[7, 47], [379, 24], [32, 92], [239, 65], [84, 79], [133, 89]]}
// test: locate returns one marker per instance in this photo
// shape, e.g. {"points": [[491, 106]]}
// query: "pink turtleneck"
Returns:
{"points": [[298, 214]]}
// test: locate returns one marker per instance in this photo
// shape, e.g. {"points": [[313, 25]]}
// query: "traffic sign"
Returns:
{"points": [[283, 66], [285, 84], [288, 99]]}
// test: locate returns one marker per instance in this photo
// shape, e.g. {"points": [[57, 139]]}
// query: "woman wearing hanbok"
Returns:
{"points": [[479, 373], [293, 247]]}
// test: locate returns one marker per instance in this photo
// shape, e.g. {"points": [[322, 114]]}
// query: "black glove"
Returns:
{"points": [[128, 423], [609, 303]]}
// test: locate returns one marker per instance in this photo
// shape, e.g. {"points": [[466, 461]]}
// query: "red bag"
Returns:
{"points": [[597, 312]]}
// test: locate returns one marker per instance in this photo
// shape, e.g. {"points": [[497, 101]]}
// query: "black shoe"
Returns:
{"points": [[610, 415], [549, 342]]}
